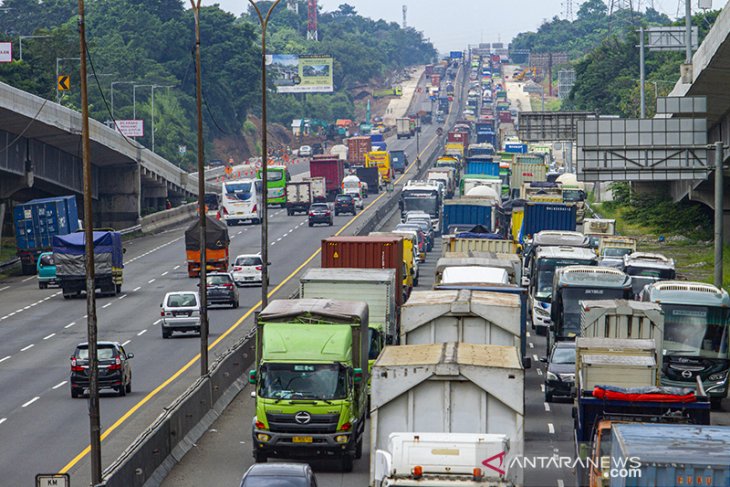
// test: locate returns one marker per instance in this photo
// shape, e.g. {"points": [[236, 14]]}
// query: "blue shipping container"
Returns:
{"points": [[547, 216], [38, 221], [462, 213], [486, 138], [653, 455], [516, 148], [377, 138], [482, 166]]}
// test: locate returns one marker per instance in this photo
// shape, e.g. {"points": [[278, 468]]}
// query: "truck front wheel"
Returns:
{"points": [[260, 457], [358, 449], [347, 463]]}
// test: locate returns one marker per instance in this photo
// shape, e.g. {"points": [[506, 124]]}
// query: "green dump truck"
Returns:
{"points": [[310, 380]]}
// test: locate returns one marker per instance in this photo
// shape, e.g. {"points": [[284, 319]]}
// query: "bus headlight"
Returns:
{"points": [[719, 377]]}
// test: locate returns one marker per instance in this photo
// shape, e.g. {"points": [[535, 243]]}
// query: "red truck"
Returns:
{"points": [[357, 147], [460, 137], [332, 169]]}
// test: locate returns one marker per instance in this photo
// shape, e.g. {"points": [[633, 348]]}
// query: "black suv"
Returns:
{"points": [[115, 371], [344, 203], [320, 213], [560, 375], [220, 288]]}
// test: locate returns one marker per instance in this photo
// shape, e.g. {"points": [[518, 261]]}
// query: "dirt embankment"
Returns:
{"points": [[247, 143]]}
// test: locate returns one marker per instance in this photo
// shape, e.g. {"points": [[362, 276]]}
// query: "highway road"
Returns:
{"points": [[43, 429]]}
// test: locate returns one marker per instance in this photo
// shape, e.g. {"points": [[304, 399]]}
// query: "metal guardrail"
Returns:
{"points": [[129, 230], [10, 263]]}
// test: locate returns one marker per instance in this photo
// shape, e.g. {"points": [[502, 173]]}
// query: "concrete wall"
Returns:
{"points": [[118, 205]]}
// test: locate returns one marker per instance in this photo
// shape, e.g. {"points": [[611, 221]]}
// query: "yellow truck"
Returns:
{"points": [[454, 149], [381, 160]]}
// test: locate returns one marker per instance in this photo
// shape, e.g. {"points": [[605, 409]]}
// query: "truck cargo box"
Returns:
{"points": [[436, 388], [332, 169], [622, 362], [548, 216], [357, 147], [462, 244], [481, 165], [370, 176], [468, 212]]}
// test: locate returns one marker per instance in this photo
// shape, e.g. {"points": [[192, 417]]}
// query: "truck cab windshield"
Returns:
{"points": [[696, 331], [425, 204], [303, 381], [616, 252]]}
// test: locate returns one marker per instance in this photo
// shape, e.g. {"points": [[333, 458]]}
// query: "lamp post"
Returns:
{"points": [[153, 110], [20, 43], [264, 21], [134, 98], [112, 95], [58, 93]]}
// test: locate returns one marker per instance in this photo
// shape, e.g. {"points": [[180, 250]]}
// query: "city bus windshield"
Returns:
{"points": [[545, 272], [695, 331], [303, 381], [571, 304], [274, 175]]}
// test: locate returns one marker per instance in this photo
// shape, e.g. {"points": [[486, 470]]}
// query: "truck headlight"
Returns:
{"points": [[263, 437], [341, 439], [541, 312], [719, 377], [551, 376]]}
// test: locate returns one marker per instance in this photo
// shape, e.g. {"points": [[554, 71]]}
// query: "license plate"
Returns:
{"points": [[181, 313], [302, 439]]}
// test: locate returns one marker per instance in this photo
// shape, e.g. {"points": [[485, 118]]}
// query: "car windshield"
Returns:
{"points": [[572, 195], [427, 205], [303, 381], [695, 331], [563, 355], [613, 252], [247, 261], [104, 353], [181, 300], [272, 176], [218, 279], [271, 481], [345, 198]]}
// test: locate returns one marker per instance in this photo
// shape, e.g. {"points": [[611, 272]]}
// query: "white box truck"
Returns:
{"points": [[404, 128], [298, 197], [448, 388]]}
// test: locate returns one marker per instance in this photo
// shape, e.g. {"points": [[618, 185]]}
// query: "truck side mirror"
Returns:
{"points": [[543, 360], [357, 375], [251, 376], [527, 362]]}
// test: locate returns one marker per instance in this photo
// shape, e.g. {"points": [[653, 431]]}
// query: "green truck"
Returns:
{"points": [[310, 380]]}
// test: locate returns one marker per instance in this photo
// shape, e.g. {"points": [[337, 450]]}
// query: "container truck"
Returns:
{"points": [[480, 149], [472, 211], [467, 242], [37, 222], [310, 380], [404, 128], [332, 169], [369, 176], [447, 175], [378, 142], [216, 246], [547, 216], [398, 161], [526, 172], [69, 255], [441, 459], [298, 197], [454, 149], [366, 253], [696, 329], [357, 147], [648, 455], [483, 165], [515, 148], [509, 262], [424, 197], [470, 181], [318, 187], [381, 160], [410, 255], [434, 388]]}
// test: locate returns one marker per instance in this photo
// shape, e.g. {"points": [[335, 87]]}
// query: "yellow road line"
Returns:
{"points": [[232, 328]]}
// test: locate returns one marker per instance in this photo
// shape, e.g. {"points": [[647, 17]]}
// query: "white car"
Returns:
{"points": [[246, 269], [305, 151], [358, 201], [180, 311]]}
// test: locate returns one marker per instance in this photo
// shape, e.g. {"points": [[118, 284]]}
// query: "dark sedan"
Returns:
{"points": [[320, 213], [560, 376]]}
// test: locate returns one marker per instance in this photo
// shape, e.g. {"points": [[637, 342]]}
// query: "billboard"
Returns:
{"points": [[6, 52], [131, 128], [456, 54], [292, 73]]}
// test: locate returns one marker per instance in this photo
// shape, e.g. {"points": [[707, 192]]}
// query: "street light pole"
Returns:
{"points": [[94, 414], [20, 43], [134, 99], [153, 110], [201, 197], [112, 95], [264, 21]]}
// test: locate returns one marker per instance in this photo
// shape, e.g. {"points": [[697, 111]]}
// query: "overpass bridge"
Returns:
{"points": [[40, 155]]}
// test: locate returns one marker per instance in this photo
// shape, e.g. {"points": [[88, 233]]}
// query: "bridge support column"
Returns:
{"points": [[119, 197]]}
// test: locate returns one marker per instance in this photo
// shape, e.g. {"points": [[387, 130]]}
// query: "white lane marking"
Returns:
{"points": [[60, 384], [278, 239], [30, 402], [142, 332], [4, 288], [47, 298], [157, 321], [27, 348], [534, 357], [49, 336], [539, 371], [551, 428], [7, 357], [232, 237], [164, 273], [70, 324], [18, 310], [3, 420], [29, 278], [26, 307], [273, 243], [532, 345], [547, 407], [122, 296], [107, 305], [136, 289], [86, 316], [176, 267], [239, 233], [125, 343], [561, 483], [150, 281]]}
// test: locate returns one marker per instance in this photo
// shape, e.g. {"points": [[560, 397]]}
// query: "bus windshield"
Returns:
{"points": [[695, 331], [303, 381], [571, 304], [273, 175], [545, 272], [241, 191]]}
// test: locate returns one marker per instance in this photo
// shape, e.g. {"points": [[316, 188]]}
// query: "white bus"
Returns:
{"points": [[242, 200]]}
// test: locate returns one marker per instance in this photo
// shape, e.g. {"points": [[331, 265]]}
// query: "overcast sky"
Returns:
{"points": [[453, 24]]}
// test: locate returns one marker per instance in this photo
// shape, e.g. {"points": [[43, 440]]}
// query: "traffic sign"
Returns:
{"points": [[439, 131], [64, 82], [52, 480], [229, 170]]}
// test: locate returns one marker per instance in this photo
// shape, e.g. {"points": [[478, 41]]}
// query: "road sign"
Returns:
{"points": [[542, 126], [6, 52], [439, 131], [670, 38], [182, 149], [64, 82], [131, 128], [52, 480]]}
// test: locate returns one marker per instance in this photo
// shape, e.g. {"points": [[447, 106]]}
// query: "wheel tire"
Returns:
{"points": [[76, 392], [716, 403], [128, 389], [337, 213], [42, 285], [260, 457], [311, 224], [548, 397], [66, 296], [415, 282], [122, 390], [331, 223], [118, 288], [347, 463], [166, 333], [235, 304], [28, 269]]}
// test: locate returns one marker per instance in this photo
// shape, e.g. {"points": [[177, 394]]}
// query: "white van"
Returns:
{"points": [[241, 201]]}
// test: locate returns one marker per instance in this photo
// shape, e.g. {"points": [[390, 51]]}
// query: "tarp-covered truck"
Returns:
{"points": [[216, 246], [69, 254]]}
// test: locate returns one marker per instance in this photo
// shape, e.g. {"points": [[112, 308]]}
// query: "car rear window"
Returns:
{"points": [[344, 197], [244, 261], [220, 279], [320, 206], [104, 353], [181, 300], [271, 481]]}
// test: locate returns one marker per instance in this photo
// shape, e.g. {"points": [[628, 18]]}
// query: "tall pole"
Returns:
{"points": [[719, 210], [94, 414], [688, 31], [153, 118], [264, 157], [201, 195], [642, 80]]}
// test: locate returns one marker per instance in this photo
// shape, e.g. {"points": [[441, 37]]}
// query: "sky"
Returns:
{"points": [[455, 24]]}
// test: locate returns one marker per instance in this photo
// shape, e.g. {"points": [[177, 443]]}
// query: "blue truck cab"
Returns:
{"points": [[46, 269]]}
